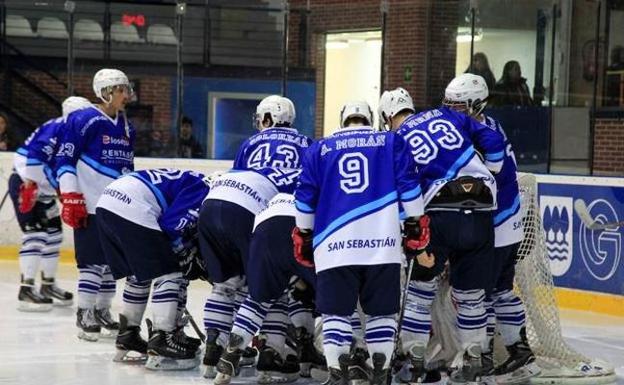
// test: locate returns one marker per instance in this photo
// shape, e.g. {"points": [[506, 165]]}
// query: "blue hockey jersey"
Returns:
{"points": [[350, 190], [34, 160], [442, 142], [161, 199], [253, 189], [94, 150], [508, 216], [277, 147]]}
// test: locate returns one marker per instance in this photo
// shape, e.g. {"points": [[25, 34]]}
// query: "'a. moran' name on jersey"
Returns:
{"points": [[371, 141], [361, 244]]}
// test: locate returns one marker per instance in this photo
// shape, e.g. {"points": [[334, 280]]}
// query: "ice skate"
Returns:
{"points": [[273, 369], [520, 366], [249, 356], [58, 296], [213, 353], [416, 357], [89, 327], [359, 371], [467, 367], [131, 347], [109, 327], [308, 356], [29, 299], [167, 352], [339, 376], [185, 338], [229, 363], [380, 376]]}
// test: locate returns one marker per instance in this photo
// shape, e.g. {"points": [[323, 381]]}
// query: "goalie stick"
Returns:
{"points": [[591, 223]]}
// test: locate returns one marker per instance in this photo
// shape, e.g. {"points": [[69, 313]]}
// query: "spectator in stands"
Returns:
{"points": [[617, 58], [481, 67], [512, 88], [188, 146], [7, 141]]}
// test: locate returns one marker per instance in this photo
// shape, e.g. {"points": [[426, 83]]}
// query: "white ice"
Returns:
{"points": [[42, 348]]}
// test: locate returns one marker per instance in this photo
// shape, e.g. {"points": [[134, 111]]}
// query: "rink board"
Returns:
{"points": [[586, 264]]}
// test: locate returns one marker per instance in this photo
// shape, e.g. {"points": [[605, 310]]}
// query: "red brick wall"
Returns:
{"points": [[609, 147], [154, 91], [420, 37]]}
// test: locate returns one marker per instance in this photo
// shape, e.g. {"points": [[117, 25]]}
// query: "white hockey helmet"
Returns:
{"points": [[280, 109], [74, 103], [106, 78], [353, 109], [393, 102], [467, 90]]}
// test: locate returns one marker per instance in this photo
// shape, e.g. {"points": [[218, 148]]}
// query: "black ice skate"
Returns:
{"points": [[185, 338], [416, 356], [467, 367], [109, 327], [520, 366], [58, 296], [339, 376], [167, 352], [249, 356], [229, 363], [380, 375], [89, 327], [273, 369], [213, 353], [359, 371], [30, 300], [131, 347], [308, 356]]}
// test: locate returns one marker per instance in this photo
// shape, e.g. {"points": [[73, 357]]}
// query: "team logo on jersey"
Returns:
{"points": [[557, 221], [601, 249]]}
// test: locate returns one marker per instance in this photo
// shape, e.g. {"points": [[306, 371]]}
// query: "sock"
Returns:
{"points": [[491, 322], [89, 282], [30, 253], [300, 315], [416, 325], [135, 296], [50, 253], [249, 318], [274, 325], [380, 335], [165, 301], [471, 317], [357, 330], [107, 290], [337, 338], [219, 308], [182, 296], [510, 315]]}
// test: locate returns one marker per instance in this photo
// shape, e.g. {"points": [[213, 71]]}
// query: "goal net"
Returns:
{"points": [[560, 363]]}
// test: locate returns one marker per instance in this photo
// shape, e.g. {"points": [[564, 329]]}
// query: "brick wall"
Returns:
{"points": [[154, 91], [420, 40], [609, 147]]}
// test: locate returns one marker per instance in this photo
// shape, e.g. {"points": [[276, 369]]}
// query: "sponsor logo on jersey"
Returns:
{"points": [[111, 140], [601, 249], [556, 214]]}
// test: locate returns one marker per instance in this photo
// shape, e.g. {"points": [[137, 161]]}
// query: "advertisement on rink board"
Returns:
{"points": [[582, 258]]}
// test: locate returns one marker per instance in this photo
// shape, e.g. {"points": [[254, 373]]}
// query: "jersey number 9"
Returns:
{"points": [[353, 167]]}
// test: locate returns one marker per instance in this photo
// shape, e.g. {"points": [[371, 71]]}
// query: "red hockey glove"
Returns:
{"points": [[415, 235], [302, 243], [74, 212], [27, 197]]}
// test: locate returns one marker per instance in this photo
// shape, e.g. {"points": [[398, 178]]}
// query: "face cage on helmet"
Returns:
{"points": [[473, 108]]}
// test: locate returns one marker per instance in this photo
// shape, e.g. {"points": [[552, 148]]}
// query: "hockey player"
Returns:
{"points": [[225, 226], [271, 268], [277, 144], [348, 227], [33, 191], [468, 94], [459, 193], [95, 149], [147, 224]]}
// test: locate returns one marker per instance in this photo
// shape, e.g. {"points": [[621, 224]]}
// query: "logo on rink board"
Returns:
{"points": [[601, 250], [557, 222]]}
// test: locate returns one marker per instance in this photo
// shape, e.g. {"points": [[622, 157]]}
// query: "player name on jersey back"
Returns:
{"points": [[247, 189]]}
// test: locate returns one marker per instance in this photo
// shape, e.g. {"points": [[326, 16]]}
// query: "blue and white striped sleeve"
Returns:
{"points": [[407, 179], [491, 142], [307, 191]]}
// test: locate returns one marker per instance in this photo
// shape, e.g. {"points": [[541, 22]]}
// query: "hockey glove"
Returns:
{"points": [[302, 242], [415, 235], [27, 197], [304, 293], [190, 265], [74, 212]]}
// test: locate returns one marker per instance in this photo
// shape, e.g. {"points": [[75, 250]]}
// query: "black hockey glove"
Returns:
{"points": [[190, 263]]}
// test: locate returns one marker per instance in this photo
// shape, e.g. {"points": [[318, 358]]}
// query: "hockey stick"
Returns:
{"points": [[201, 335], [583, 212], [4, 199]]}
